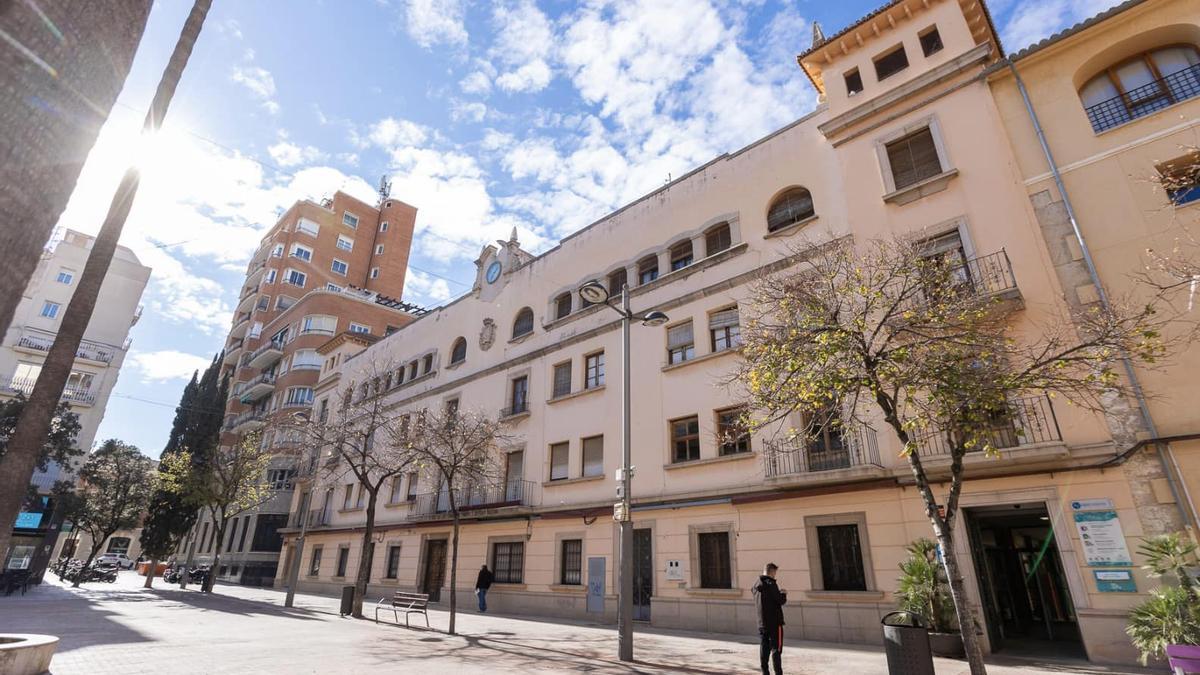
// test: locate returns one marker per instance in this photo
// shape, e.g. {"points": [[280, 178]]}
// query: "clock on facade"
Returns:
{"points": [[493, 272]]}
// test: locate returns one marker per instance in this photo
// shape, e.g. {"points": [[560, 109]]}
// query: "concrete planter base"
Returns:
{"points": [[949, 645], [23, 654]]}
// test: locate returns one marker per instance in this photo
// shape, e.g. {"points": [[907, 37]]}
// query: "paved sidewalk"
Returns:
{"points": [[123, 629]]}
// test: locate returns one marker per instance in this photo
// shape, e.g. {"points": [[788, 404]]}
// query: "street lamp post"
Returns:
{"points": [[595, 293]]}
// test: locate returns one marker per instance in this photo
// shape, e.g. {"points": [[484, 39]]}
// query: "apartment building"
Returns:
{"points": [[337, 266], [921, 133], [98, 361]]}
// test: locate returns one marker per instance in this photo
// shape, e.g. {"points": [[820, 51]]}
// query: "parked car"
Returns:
{"points": [[120, 559]]}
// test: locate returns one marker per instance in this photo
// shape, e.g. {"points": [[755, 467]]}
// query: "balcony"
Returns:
{"points": [[1027, 422], [91, 351], [988, 277], [246, 301], [846, 449], [255, 271], [316, 518], [517, 409], [81, 396], [247, 421], [240, 324], [266, 355], [256, 388], [231, 351], [1145, 100], [473, 499]]}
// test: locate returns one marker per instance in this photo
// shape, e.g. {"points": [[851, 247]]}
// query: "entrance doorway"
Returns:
{"points": [[1026, 600], [643, 573], [435, 569]]}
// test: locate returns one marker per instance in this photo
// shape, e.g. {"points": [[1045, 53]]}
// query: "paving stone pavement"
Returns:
{"points": [[124, 629]]}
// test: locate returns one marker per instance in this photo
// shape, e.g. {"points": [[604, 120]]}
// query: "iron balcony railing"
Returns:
{"points": [[243, 388], [1027, 421], [316, 518], [985, 276], [268, 346], [517, 408], [1146, 99], [87, 350], [474, 498], [251, 416], [249, 290], [840, 448], [24, 385]]}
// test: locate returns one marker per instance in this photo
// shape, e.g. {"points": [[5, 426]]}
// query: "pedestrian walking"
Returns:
{"points": [[769, 600], [482, 583]]}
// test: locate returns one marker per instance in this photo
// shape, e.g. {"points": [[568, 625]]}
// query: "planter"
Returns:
{"points": [[949, 645], [23, 654]]}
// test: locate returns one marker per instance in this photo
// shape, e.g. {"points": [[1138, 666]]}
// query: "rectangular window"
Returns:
{"points": [[593, 456], [383, 226], [562, 379], [593, 371], [299, 396], [685, 439], [319, 323], [724, 329], [508, 562], [571, 573], [271, 276], [413, 482], [50, 309], [348, 496], [65, 277], [1181, 179], [359, 328], [343, 560], [283, 302], [931, 41], [339, 267], [841, 558], [562, 306], [396, 492], [854, 83], [280, 479], [393, 562], [349, 219], [680, 345], [333, 287], [307, 227], [302, 252], [681, 255], [277, 251], [560, 454], [345, 243], [519, 398], [295, 278], [913, 158], [314, 564], [647, 270], [228, 540], [616, 281], [732, 436], [264, 303], [374, 272], [245, 529], [891, 63], [717, 239], [379, 249], [714, 560]]}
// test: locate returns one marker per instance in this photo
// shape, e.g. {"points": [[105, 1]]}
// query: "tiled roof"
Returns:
{"points": [[1068, 32]]}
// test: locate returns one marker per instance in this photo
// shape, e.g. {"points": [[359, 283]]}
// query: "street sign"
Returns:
{"points": [[619, 513]]}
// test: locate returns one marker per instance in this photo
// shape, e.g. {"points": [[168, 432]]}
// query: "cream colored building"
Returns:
{"points": [[909, 139], [100, 355]]}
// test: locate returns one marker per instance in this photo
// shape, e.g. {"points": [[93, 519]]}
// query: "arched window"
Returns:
{"points": [[523, 325], [458, 352], [1140, 85], [789, 208], [562, 306], [681, 255], [717, 239]]}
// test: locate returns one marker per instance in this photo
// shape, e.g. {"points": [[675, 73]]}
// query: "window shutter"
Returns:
{"points": [[559, 453], [593, 456], [679, 336], [913, 158], [723, 318]]}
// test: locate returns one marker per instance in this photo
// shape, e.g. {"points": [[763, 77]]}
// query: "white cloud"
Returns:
{"points": [[476, 83], [286, 154], [259, 82], [389, 132], [166, 364], [425, 289], [431, 22], [523, 45], [1035, 20], [473, 111]]}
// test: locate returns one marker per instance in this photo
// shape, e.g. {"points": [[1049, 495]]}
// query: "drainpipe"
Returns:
{"points": [[1188, 513]]}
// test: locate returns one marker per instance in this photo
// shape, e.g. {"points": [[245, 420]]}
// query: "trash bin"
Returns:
{"points": [[907, 644], [348, 602]]}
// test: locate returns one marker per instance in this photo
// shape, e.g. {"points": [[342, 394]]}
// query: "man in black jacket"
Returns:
{"points": [[482, 583], [769, 600]]}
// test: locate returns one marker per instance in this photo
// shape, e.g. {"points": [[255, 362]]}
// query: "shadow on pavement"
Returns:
{"points": [[72, 615]]}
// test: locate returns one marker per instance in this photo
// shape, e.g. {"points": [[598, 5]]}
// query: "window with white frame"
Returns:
{"points": [[283, 302], [299, 396], [333, 287], [345, 243], [65, 277], [379, 249], [374, 272], [593, 370], [306, 359], [339, 267], [50, 309], [295, 278], [680, 343], [359, 328], [307, 227], [280, 479], [349, 219], [277, 251], [301, 252], [383, 226], [724, 329], [271, 276], [319, 323]]}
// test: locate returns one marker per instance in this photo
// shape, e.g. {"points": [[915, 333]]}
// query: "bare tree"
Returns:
{"points": [[230, 481], [357, 439], [25, 445], [888, 330], [458, 451]]}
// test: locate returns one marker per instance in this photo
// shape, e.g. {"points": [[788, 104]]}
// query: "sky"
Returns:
{"points": [[540, 115]]}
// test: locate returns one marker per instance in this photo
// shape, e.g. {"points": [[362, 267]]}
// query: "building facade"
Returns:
{"points": [[97, 362], [919, 133], [323, 269]]}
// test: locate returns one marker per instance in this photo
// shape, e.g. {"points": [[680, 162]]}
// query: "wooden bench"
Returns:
{"points": [[403, 601]]}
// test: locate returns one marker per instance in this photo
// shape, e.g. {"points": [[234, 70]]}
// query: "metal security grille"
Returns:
{"points": [[841, 558], [714, 560], [508, 561], [572, 562]]}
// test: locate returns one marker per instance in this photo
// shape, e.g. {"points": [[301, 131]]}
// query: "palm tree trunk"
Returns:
{"points": [[25, 444]]}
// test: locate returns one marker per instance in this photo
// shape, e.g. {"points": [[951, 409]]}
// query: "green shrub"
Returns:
{"points": [[921, 588], [1172, 614]]}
